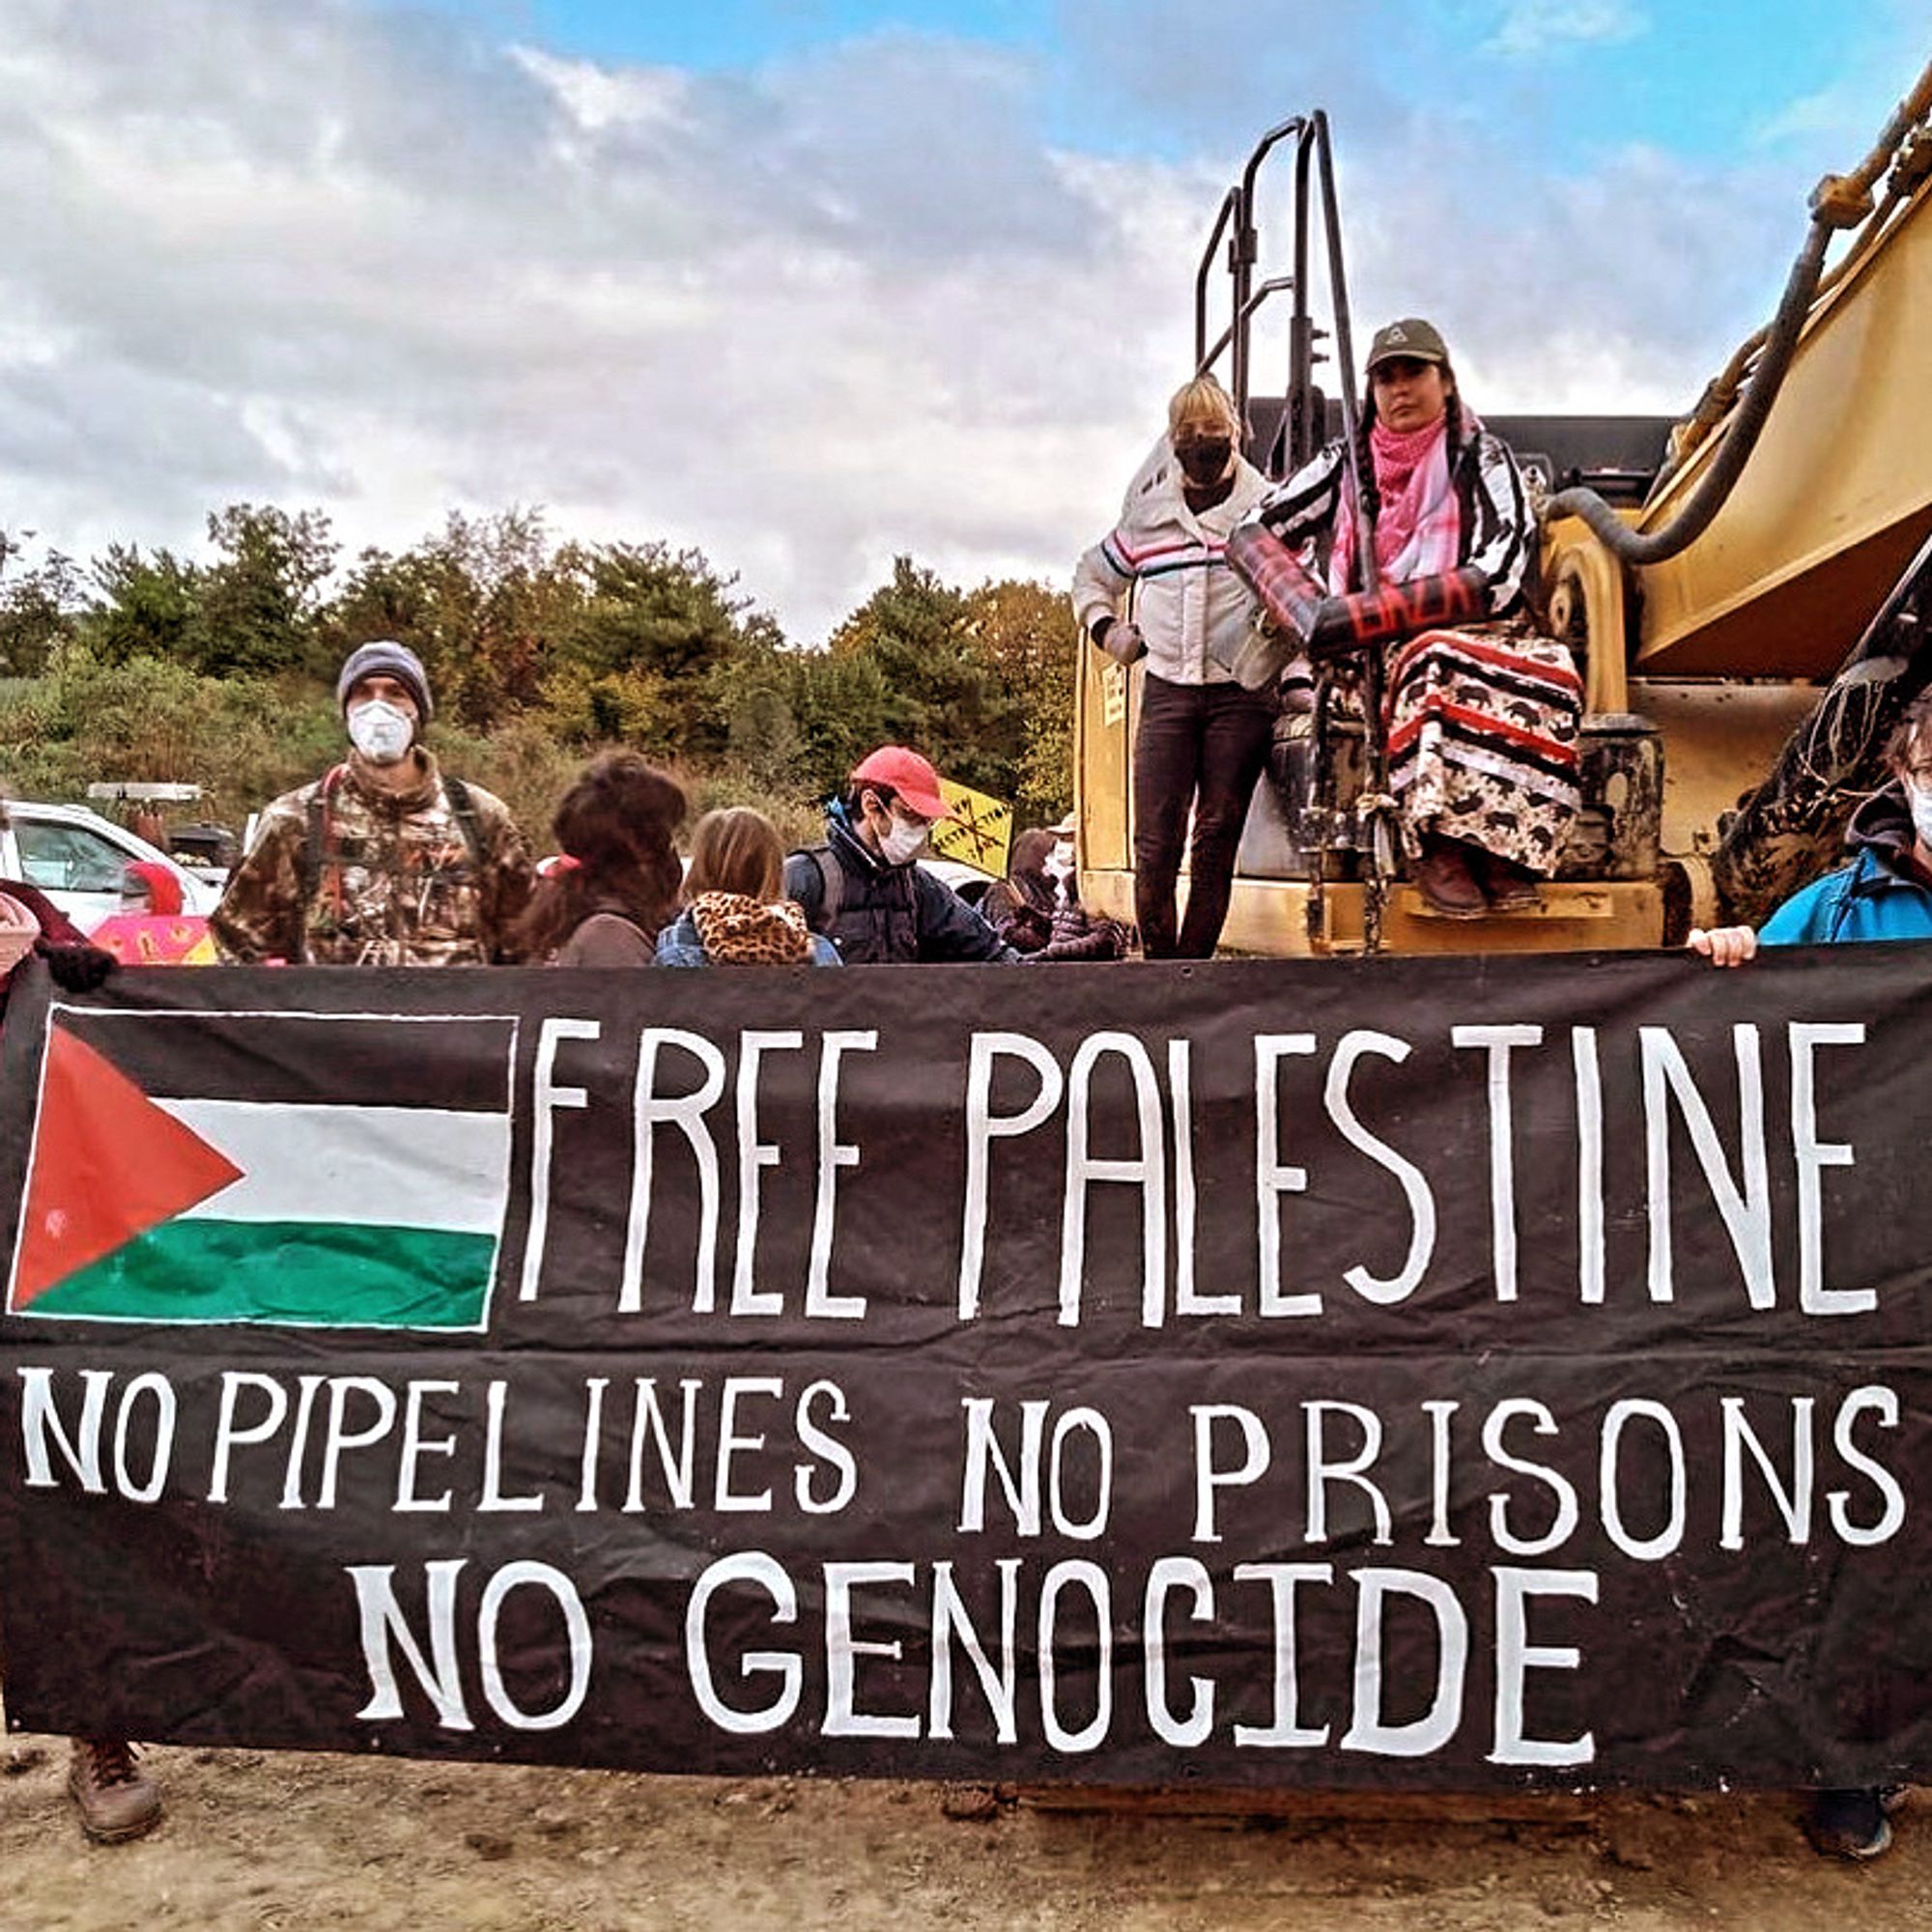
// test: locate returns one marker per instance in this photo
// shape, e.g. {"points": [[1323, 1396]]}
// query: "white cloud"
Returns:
{"points": [[301, 251], [600, 97], [1532, 28], [1839, 120]]}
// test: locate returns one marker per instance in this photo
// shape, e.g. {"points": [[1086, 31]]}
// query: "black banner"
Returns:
{"points": [[1443, 1373]]}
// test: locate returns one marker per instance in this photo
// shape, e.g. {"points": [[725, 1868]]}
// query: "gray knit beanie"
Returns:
{"points": [[385, 658]]}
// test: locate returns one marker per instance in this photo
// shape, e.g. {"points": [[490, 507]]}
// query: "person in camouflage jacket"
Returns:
{"points": [[383, 860]]}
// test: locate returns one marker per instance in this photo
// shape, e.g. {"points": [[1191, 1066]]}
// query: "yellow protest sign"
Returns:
{"points": [[978, 832]]}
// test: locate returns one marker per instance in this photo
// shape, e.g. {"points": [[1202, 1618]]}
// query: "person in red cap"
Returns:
{"points": [[862, 890]]}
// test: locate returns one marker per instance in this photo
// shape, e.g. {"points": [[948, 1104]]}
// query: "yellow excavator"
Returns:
{"points": [[1746, 591]]}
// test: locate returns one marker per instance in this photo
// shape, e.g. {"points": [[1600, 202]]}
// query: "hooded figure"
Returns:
{"points": [[1036, 909]]}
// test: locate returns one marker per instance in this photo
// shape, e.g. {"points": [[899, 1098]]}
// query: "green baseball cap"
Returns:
{"points": [[1411, 337]]}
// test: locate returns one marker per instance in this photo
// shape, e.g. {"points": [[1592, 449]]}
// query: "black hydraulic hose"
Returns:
{"points": [[1641, 547], [1877, 639]]}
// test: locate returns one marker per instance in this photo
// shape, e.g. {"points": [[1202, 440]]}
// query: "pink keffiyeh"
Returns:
{"points": [[1419, 531]]}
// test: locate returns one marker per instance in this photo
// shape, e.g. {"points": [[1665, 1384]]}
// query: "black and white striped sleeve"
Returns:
{"points": [[1304, 504], [1502, 538]]}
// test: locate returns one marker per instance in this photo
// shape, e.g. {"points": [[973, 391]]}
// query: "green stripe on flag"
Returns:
{"points": [[314, 1273]]}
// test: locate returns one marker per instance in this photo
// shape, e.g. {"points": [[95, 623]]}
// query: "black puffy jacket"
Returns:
{"points": [[887, 915]]}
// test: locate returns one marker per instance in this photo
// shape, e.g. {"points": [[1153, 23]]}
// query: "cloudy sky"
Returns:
{"points": [[810, 284]]}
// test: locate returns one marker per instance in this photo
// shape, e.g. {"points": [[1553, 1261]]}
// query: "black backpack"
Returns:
{"points": [[831, 887]]}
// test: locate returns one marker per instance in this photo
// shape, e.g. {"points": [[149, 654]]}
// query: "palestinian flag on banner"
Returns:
{"points": [[325, 1170]]}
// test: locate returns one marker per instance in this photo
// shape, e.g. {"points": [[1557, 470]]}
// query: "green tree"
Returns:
{"points": [[257, 608], [652, 650], [478, 602], [943, 695], [40, 609], [756, 693], [146, 606], [840, 703], [253, 611], [1028, 634], [148, 717]]}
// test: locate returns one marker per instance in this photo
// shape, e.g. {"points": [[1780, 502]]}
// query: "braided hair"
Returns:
{"points": [[1365, 465]]}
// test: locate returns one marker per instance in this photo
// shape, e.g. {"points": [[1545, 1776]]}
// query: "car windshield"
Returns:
{"points": [[68, 858]]}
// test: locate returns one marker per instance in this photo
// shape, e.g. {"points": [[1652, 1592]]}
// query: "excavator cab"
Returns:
{"points": [[1745, 593]]}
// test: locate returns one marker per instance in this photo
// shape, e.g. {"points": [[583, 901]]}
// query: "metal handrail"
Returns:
{"points": [[1237, 212], [1235, 219], [1345, 333], [1203, 361], [1246, 246], [1273, 286], [1313, 172], [1297, 449]]}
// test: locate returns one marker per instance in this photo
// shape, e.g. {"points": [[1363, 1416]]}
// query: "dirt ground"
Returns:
{"points": [[261, 1840]]}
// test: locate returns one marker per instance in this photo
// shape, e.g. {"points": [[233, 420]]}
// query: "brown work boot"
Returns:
{"points": [[1509, 887], [1443, 878], [114, 1797]]}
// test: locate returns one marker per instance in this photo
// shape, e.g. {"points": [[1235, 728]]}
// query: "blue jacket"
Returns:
{"points": [[678, 945], [887, 915], [1878, 896]]}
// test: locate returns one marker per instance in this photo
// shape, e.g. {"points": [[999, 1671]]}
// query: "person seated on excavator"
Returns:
{"points": [[1481, 712]]}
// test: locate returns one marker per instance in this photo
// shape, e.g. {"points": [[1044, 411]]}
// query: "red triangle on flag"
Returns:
{"points": [[108, 1164]]}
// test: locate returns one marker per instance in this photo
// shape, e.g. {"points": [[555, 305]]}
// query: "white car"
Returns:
{"points": [[79, 859], [968, 881]]}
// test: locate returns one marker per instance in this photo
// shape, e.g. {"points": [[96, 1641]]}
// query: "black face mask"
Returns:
{"points": [[1205, 463]]}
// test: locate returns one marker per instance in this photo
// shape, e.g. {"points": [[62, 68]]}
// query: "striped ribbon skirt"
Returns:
{"points": [[1482, 736]]}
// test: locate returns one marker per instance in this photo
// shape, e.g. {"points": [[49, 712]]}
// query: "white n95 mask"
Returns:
{"points": [[380, 732], [902, 843]]}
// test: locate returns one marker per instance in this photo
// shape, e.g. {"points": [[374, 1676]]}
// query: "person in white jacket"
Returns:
{"points": [[1157, 587]]}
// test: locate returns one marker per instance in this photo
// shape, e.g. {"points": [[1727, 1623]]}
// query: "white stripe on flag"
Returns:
{"points": [[389, 1167]]}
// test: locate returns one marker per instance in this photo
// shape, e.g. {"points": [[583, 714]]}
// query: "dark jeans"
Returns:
{"points": [[1199, 744]]}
